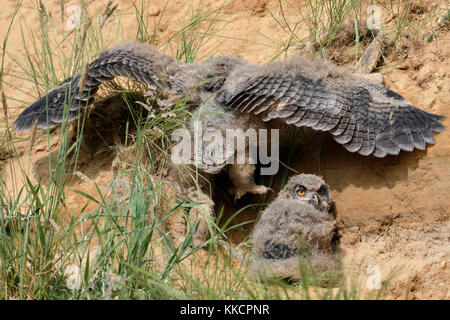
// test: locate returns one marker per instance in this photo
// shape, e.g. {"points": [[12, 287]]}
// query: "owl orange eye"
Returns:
{"points": [[322, 190], [301, 191]]}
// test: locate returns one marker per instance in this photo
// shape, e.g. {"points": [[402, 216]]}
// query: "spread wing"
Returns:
{"points": [[363, 116], [133, 60]]}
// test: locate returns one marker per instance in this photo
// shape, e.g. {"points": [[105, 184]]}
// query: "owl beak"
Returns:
{"points": [[314, 200]]}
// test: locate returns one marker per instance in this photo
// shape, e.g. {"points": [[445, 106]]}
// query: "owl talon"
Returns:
{"points": [[240, 191]]}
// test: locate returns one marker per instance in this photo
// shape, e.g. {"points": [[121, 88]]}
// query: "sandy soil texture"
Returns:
{"points": [[392, 213]]}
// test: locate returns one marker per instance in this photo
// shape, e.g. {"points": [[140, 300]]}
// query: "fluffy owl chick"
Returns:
{"points": [[295, 229]]}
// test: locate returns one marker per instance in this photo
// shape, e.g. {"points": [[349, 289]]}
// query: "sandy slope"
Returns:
{"points": [[392, 212]]}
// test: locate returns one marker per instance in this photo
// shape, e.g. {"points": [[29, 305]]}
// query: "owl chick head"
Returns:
{"points": [[308, 189], [224, 64]]}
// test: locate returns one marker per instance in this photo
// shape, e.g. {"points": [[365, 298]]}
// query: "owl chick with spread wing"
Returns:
{"points": [[231, 93]]}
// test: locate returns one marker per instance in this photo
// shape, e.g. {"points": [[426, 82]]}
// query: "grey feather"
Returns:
{"points": [[129, 59], [361, 115]]}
